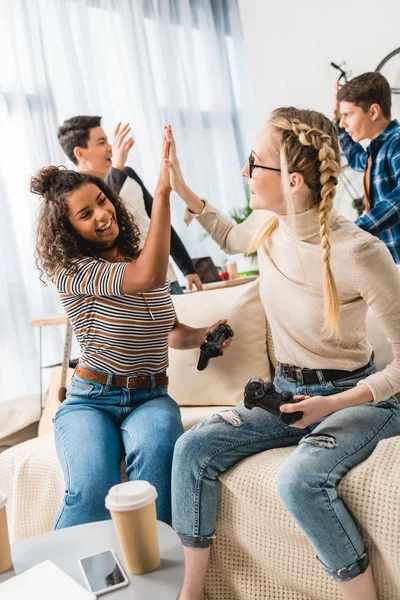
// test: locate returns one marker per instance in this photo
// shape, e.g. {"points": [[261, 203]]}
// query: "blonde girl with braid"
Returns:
{"points": [[319, 274]]}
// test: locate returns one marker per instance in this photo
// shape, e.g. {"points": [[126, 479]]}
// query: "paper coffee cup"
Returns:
{"points": [[232, 270], [5, 551], [133, 510]]}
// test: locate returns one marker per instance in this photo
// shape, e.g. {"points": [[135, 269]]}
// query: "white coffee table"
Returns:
{"points": [[65, 546]]}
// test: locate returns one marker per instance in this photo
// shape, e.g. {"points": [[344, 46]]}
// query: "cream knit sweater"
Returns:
{"points": [[291, 290]]}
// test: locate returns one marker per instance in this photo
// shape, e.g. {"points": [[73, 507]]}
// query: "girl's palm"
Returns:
{"points": [[177, 181]]}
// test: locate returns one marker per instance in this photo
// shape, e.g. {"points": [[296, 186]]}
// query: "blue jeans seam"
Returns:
{"points": [[341, 525], [207, 462], [134, 451], [66, 482], [337, 464]]}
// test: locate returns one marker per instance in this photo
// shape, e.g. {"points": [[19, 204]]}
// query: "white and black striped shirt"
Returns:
{"points": [[118, 333]]}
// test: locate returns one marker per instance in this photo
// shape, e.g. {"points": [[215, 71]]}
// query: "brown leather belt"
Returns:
{"points": [[131, 381]]}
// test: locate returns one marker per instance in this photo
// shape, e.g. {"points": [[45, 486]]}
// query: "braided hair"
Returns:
{"points": [[309, 146]]}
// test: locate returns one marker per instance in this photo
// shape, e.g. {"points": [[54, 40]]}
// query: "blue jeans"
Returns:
{"points": [[307, 482], [98, 425]]}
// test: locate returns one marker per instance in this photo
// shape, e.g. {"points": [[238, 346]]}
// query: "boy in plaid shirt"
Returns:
{"points": [[363, 111]]}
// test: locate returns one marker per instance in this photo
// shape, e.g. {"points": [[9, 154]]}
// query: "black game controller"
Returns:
{"points": [[213, 345], [263, 394]]}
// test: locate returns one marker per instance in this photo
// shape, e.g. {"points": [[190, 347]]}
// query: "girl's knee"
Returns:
{"points": [[169, 431], [163, 448], [291, 482], [96, 489], [184, 446], [187, 452]]}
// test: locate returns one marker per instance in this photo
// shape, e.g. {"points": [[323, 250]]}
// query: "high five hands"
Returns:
{"points": [[177, 180], [164, 183], [179, 186]]}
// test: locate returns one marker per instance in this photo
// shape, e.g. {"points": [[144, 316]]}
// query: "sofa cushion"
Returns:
{"points": [[195, 414], [222, 382]]}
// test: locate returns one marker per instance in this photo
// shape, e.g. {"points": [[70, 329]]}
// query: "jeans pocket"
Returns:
{"points": [[81, 388], [389, 403], [349, 382], [341, 385]]}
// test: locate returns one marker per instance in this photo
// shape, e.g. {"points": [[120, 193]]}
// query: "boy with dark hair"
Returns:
{"points": [[362, 111], [86, 145]]}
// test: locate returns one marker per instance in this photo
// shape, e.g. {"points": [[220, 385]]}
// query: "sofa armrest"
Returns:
{"points": [[32, 479], [17, 414]]}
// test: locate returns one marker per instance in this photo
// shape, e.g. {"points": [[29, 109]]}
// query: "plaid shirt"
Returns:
{"points": [[383, 219]]}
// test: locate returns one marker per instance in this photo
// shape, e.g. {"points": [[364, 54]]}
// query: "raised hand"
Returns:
{"points": [[178, 184], [121, 145], [177, 181], [163, 183], [336, 107]]}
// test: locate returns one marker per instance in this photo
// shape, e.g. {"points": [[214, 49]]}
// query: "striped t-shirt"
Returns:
{"points": [[118, 333]]}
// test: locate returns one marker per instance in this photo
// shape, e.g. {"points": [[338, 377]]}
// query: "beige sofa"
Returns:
{"points": [[259, 551]]}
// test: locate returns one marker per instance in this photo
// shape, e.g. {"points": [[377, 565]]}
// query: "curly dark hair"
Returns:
{"points": [[57, 242]]}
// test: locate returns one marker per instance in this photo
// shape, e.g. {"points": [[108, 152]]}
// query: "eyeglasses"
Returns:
{"points": [[252, 166]]}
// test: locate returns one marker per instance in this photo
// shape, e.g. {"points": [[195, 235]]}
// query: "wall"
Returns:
{"points": [[290, 45]]}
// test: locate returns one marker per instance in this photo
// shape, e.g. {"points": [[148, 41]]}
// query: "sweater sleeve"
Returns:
{"points": [[378, 281], [230, 237]]}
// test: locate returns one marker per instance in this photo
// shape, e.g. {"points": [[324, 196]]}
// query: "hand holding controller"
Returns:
{"points": [[213, 345], [263, 394]]}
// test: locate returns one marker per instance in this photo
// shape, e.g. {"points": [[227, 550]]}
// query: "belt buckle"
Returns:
{"points": [[299, 375], [289, 372], [284, 369]]}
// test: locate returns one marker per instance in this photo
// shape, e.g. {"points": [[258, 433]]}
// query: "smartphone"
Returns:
{"points": [[102, 572]]}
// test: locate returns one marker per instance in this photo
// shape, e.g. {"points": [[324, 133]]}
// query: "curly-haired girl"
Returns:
{"points": [[118, 302]]}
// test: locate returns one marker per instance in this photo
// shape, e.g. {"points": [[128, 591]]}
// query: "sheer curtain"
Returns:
{"points": [[149, 62]]}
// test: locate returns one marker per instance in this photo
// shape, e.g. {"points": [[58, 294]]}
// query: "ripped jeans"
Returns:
{"points": [[308, 479]]}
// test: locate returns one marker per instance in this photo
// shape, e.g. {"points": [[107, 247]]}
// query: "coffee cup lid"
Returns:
{"points": [[3, 500], [130, 495]]}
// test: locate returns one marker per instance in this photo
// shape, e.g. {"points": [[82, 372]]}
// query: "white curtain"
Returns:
{"points": [[149, 62]]}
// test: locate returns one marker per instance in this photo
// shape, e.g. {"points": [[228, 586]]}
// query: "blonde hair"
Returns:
{"points": [[309, 146]]}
